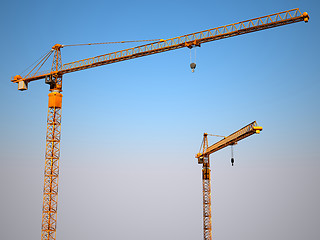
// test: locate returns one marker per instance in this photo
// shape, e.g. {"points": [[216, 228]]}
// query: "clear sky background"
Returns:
{"points": [[130, 130]]}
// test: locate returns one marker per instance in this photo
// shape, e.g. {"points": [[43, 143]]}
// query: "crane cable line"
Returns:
{"points": [[38, 60], [131, 41], [43, 60], [47, 54]]}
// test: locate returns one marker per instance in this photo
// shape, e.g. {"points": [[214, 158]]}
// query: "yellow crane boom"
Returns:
{"points": [[203, 158], [188, 40], [232, 139]]}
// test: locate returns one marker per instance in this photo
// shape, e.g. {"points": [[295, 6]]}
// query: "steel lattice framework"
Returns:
{"points": [[51, 174], [203, 158], [54, 78], [52, 156], [206, 192]]}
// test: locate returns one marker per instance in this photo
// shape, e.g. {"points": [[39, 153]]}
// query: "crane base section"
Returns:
{"points": [[55, 100]]}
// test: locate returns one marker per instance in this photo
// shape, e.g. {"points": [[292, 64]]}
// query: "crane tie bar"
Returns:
{"points": [[84, 44]]}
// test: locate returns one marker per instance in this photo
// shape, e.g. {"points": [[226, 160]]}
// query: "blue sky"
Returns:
{"points": [[130, 130]]}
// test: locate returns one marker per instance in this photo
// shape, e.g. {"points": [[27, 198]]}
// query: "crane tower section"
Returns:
{"points": [[204, 158]]}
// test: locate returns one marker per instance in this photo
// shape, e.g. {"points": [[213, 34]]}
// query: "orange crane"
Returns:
{"points": [[53, 77], [203, 158]]}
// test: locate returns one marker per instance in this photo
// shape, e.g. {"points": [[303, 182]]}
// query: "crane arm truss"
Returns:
{"points": [[232, 139], [189, 40]]}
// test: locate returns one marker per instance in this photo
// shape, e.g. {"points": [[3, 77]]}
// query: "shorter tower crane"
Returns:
{"points": [[203, 158]]}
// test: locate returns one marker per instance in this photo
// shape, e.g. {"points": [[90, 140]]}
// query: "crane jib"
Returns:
{"points": [[197, 38], [232, 139], [189, 40]]}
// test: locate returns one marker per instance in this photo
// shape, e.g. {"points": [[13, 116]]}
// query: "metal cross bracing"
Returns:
{"points": [[206, 192], [233, 138], [53, 77], [52, 156], [204, 158], [51, 172]]}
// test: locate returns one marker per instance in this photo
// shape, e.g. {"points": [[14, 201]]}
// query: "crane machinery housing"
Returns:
{"points": [[53, 77]]}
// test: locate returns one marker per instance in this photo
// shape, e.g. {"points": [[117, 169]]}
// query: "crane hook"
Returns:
{"points": [[192, 66], [232, 159]]}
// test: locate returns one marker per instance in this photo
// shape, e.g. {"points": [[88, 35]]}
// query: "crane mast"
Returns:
{"points": [[51, 172], [206, 194], [52, 154], [53, 77], [204, 158]]}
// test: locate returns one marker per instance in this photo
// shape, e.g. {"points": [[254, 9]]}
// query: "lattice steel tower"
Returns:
{"points": [[204, 158]]}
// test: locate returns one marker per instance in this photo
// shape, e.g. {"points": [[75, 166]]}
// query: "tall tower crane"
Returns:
{"points": [[53, 77], [203, 158]]}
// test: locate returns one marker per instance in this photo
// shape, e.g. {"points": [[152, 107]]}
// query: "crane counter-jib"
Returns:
{"points": [[189, 40]]}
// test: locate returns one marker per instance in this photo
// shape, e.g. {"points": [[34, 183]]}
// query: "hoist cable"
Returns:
{"points": [[231, 151], [195, 55], [232, 159]]}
